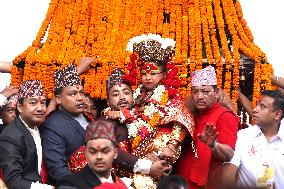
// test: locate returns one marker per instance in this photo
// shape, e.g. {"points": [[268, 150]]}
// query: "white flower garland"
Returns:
{"points": [[165, 42], [149, 111]]}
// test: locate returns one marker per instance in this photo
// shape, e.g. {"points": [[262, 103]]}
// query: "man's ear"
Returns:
{"points": [[116, 153], [278, 115], [20, 107], [217, 90], [58, 99], [85, 151]]}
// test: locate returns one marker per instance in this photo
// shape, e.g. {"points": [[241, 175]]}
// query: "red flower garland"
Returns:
{"points": [[130, 77], [171, 80]]}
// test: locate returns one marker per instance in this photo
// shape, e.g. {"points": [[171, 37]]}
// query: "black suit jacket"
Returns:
{"points": [[61, 136], [84, 179], [18, 156]]}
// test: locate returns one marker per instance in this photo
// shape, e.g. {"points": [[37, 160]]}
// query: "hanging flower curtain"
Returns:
{"points": [[204, 30]]}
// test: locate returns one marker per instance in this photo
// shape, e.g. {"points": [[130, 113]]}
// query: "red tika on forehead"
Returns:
{"points": [[148, 67]]}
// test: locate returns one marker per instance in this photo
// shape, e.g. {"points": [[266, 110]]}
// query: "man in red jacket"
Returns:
{"points": [[215, 134]]}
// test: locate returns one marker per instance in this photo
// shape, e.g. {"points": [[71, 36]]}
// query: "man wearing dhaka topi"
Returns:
{"points": [[214, 137]]}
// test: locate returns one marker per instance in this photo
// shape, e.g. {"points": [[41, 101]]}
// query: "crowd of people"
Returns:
{"points": [[147, 138]]}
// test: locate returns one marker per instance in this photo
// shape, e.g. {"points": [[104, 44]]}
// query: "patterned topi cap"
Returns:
{"points": [[66, 77], [101, 129], [116, 77], [30, 88], [12, 99], [206, 76]]}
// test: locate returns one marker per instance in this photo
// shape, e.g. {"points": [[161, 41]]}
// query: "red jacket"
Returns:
{"points": [[203, 171]]}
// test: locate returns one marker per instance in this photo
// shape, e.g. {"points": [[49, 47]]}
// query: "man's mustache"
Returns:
{"points": [[122, 102]]}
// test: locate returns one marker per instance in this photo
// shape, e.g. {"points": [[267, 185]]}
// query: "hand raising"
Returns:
{"points": [[84, 64], [9, 91], [209, 135]]}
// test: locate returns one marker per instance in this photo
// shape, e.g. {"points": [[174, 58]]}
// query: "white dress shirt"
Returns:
{"points": [[82, 120], [36, 136], [142, 166], [253, 151]]}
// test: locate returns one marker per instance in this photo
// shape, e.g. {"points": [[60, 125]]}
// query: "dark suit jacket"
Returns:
{"points": [[61, 136], [18, 156], [84, 179]]}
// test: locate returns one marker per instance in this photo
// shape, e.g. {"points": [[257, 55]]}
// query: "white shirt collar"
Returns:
{"points": [[257, 131], [103, 179], [32, 130], [36, 136], [281, 130]]}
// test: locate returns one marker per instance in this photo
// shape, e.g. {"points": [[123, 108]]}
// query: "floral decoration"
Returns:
{"points": [[143, 121], [209, 31]]}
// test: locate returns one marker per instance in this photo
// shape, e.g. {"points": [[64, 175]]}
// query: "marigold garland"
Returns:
{"points": [[102, 28]]}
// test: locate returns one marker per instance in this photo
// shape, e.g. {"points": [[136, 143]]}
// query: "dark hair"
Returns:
{"points": [[162, 65], [278, 103], [20, 101], [100, 104], [58, 91], [172, 182]]}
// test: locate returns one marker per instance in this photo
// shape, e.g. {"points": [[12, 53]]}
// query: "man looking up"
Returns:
{"points": [[119, 96], [258, 160]]}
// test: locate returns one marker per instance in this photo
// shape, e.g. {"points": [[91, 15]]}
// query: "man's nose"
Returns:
{"points": [[80, 96], [121, 96], [40, 106], [14, 115], [99, 155], [200, 95], [255, 110]]}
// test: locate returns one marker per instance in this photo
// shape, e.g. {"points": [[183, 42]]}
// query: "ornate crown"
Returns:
{"points": [[152, 47]]}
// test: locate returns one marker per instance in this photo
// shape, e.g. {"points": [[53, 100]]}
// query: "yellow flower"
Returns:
{"points": [[136, 141], [156, 118]]}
